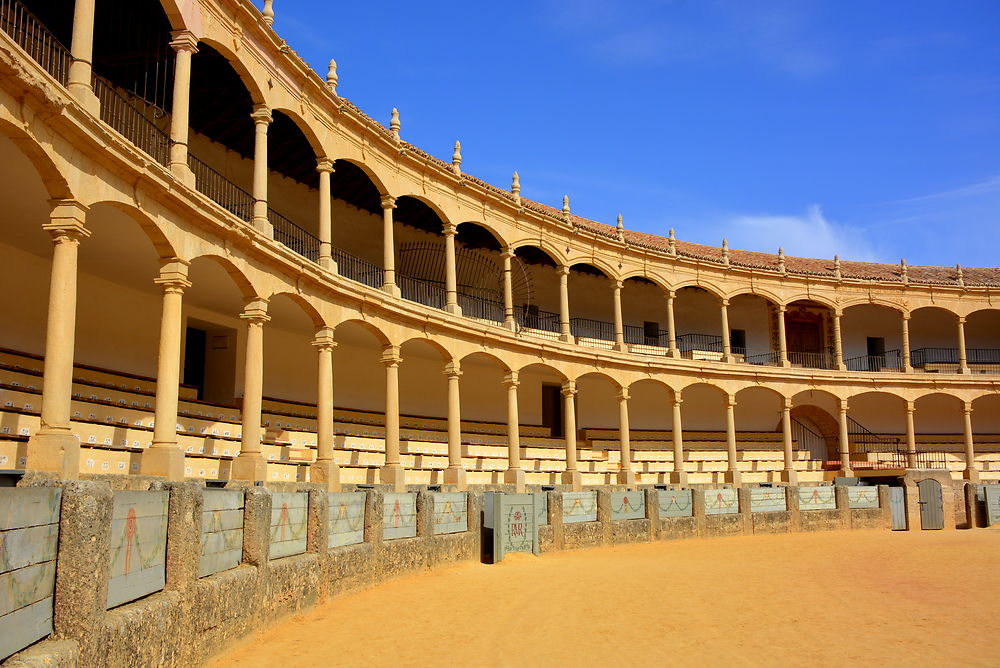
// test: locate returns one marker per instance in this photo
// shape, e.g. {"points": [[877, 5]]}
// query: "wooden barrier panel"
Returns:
{"points": [[451, 512], [289, 518], [221, 531], [862, 497], [399, 517], [628, 505], [541, 508], [721, 501], [767, 499], [675, 503], [512, 519], [29, 541], [815, 497], [138, 546], [347, 518], [579, 507]]}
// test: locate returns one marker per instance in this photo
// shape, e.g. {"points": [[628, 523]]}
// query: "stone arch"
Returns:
{"points": [[150, 226], [747, 408], [242, 71], [491, 229], [643, 274], [306, 129], [182, 16], [367, 326], [553, 253], [482, 354], [542, 366], [818, 417], [437, 346], [595, 262], [246, 287], [707, 286], [372, 174], [302, 302], [763, 293], [811, 297], [51, 175]]}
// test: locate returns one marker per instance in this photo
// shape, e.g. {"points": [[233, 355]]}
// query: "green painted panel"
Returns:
{"points": [[992, 496], [138, 545], [862, 497], [25, 626], [514, 526], [223, 499], [815, 497], [24, 547], [347, 518], [721, 502], [675, 503], [579, 507], [22, 507], [289, 523], [628, 505], [25, 586], [221, 520], [541, 508], [767, 499], [399, 518], [451, 512], [218, 562]]}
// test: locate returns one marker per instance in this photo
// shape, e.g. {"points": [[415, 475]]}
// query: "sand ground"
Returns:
{"points": [[878, 598]]}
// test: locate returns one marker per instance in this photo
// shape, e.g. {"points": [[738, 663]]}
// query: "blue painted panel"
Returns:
{"points": [[675, 503], [767, 499], [862, 497], [347, 518], [451, 512], [579, 507], [721, 502], [399, 518], [815, 497], [628, 505]]}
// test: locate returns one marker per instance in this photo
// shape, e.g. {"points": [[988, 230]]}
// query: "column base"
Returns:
{"points": [[453, 309], [456, 475], [626, 478], [393, 475], [573, 479], [165, 460], [567, 338], [328, 264], [791, 476], [515, 477], [964, 370], [85, 95], [183, 174], [392, 289], [264, 226], [57, 451], [678, 477], [674, 353], [249, 467], [326, 473], [970, 474], [510, 324], [622, 347], [846, 472], [734, 478]]}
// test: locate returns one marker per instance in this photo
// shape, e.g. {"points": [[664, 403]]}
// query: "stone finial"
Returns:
{"points": [[515, 187], [672, 243], [456, 158], [268, 12], [781, 261], [958, 275], [620, 229], [836, 267], [904, 274], [394, 124], [565, 209], [331, 76], [725, 251]]}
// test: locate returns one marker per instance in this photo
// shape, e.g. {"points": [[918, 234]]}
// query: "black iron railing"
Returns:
{"points": [[821, 360], [640, 336], [890, 360], [293, 236], [689, 344], [422, 292], [221, 190], [134, 118], [532, 318], [807, 439], [480, 308], [37, 41], [770, 358], [920, 357], [886, 453], [591, 329], [356, 269]]}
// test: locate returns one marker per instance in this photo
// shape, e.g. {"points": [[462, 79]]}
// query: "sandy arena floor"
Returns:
{"points": [[827, 599]]}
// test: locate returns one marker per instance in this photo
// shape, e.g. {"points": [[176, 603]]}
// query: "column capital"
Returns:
{"points": [[184, 41], [678, 399], [569, 388], [255, 312], [731, 401], [324, 165], [905, 316], [623, 394], [562, 270], [449, 229], [782, 308], [842, 405], [670, 293], [617, 284], [67, 221], [961, 319], [261, 115], [725, 302], [173, 275], [786, 404], [323, 340], [967, 407], [391, 356], [453, 369], [511, 379], [837, 313], [911, 407], [388, 202], [507, 253]]}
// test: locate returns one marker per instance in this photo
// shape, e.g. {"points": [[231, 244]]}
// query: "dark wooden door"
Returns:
{"points": [[804, 336]]}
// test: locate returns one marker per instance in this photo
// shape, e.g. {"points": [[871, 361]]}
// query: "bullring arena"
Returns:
{"points": [[260, 353]]}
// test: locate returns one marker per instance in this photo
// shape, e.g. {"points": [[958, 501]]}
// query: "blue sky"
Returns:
{"points": [[868, 129]]}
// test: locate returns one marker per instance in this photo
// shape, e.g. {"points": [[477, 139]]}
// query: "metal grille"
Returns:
{"points": [[221, 190], [134, 118], [36, 40], [422, 292], [356, 269], [293, 236], [891, 360]]}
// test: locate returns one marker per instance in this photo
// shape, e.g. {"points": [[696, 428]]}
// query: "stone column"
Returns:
{"points": [[325, 469], [970, 473], [671, 327], [963, 359], [514, 474], [164, 457], [907, 368], [249, 465], [733, 473], [571, 476], [185, 45], [261, 119], [508, 290], [911, 437], [845, 442], [727, 349], [616, 288], [838, 345], [81, 76], [679, 475], [388, 247], [392, 473], [626, 476], [782, 339], [54, 447], [565, 334], [789, 475], [325, 168], [455, 473], [451, 270]]}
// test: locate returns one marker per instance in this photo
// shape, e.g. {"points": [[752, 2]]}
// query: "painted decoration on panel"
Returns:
{"points": [[399, 515], [991, 493], [767, 499], [628, 505], [138, 545], [451, 512], [514, 527], [221, 531], [721, 501], [675, 503], [862, 497], [347, 518], [289, 520], [815, 497], [541, 508], [29, 541], [579, 507]]}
